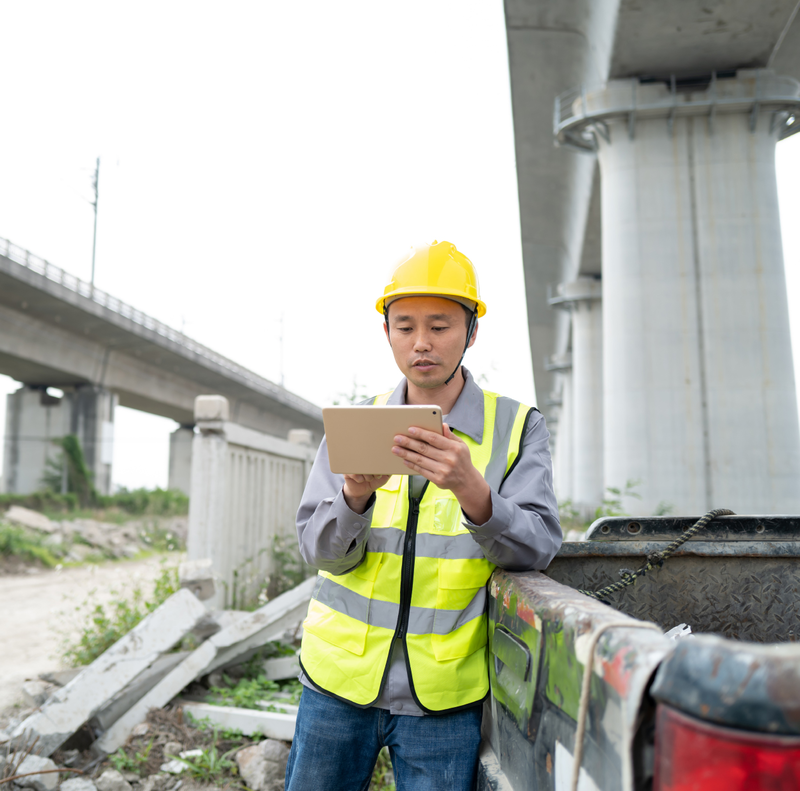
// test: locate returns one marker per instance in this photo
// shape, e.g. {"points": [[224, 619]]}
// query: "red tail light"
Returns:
{"points": [[696, 756]]}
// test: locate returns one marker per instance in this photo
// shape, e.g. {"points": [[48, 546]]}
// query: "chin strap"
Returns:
{"points": [[472, 322]]}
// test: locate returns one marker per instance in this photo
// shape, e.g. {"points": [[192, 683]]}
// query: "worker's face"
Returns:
{"points": [[427, 336]]}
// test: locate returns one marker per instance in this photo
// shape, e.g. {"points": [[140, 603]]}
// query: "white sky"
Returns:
{"points": [[274, 159]]}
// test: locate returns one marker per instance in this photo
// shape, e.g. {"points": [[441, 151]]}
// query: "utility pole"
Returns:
{"points": [[95, 184]]}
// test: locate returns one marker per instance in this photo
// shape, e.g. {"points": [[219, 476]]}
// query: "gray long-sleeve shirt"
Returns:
{"points": [[523, 532]]}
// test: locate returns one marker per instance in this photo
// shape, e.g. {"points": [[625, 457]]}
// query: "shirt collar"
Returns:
{"points": [[466, 415]]}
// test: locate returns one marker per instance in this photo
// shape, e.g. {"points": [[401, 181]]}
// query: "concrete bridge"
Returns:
{"points": [[57, 331], [645, 138]]}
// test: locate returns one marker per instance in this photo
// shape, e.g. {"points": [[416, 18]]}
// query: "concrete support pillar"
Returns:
{"points": [[180, 459], [34, 418], [582, 298], [564, 452], [700, 404]]}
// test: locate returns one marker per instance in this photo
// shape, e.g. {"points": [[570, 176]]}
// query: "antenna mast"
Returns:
{"points": [[95, 184]]}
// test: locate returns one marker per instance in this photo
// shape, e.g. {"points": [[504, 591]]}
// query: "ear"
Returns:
{"points": [[474, 335], [386, 332]]}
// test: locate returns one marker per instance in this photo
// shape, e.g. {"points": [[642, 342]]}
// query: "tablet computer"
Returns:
{"points": [[360, 438]]}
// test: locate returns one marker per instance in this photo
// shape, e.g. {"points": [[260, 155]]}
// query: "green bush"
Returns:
{"points": [[44, 502], [25, 544], [106, 624]]}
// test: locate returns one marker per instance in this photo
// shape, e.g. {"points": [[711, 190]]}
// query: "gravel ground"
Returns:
{"points": [[38, 606]]}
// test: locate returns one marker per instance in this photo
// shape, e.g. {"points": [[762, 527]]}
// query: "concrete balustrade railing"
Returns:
{"points": [[245, 491]]}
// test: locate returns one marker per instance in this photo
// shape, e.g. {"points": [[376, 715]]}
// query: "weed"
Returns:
{"points": [[248, 693], [210, 765], [131, 763], [26, 544], [107, 623]]}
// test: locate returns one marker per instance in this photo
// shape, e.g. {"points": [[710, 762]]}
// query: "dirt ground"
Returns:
{"points": [[38, 606]]}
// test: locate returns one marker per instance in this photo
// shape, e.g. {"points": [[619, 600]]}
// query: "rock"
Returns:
{"points": [[198, 577], [36, 692], [35, 763], [78, 784], [263, 766], [70, 757], [172, 748], [140, 729], [112, 780], [132, 777], [156, 782], [27, 518], [61, 677]]}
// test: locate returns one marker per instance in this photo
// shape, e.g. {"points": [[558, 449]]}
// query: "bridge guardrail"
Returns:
{"points": [[55, 274]]}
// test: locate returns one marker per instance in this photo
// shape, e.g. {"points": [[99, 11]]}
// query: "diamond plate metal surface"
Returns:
{"points": [[743, 598]]}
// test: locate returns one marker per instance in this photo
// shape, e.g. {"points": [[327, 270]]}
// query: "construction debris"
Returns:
{"points": [[78, 784], [263, 766], [233, 644], [273, 725], [97, 685], [112, 780], [198, 577], [281, 667], [47, 781]]}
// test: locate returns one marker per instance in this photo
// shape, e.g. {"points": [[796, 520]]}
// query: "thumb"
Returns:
{"points": [[447, 433]]}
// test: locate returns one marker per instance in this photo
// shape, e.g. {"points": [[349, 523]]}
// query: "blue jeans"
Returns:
{"points": [[336, 745]]}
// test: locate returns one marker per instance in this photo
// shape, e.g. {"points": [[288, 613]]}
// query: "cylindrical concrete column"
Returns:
{"points": [[564, 453], [583, 296], [700, 404]]}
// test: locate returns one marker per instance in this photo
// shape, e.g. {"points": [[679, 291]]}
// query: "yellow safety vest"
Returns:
{"points": [[422, 580]]}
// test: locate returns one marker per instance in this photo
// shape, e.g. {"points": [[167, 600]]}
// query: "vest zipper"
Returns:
{"points": [[407, 572]]}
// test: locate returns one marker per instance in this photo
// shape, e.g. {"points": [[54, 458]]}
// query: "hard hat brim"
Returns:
{"points": [[456, 296]]}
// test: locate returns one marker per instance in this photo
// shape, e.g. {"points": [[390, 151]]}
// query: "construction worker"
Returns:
{"points": [[395, 641]]}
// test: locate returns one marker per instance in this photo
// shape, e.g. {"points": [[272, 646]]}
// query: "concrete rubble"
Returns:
{"points": [[112, 696], [263, 766], [87, 537], [48, 781]]}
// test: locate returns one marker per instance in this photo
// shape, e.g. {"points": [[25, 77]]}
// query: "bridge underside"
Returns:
{"points": [[566, 202]]}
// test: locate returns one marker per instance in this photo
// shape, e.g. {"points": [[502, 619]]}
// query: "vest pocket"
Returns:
{"points": [[462, 584], [339, 610]]}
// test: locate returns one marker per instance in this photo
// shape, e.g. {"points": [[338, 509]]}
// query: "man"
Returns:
{"points": [[394, 645]]}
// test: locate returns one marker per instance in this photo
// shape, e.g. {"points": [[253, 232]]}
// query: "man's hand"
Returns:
{"points": [[445, 461], [359, 488]]}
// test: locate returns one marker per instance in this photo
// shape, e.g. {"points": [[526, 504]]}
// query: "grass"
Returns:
{"points": [[28, 545], [123, 762], [105, 624]]}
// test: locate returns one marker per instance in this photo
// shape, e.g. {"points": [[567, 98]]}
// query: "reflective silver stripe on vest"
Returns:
{"points": [[428, 545], [505, 416], [421, 620]]}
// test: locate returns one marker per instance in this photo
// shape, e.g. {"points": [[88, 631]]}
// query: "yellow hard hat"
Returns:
{"points": [[437, 270]]}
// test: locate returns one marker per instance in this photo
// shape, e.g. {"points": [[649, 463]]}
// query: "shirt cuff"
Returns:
{"points": [[501, 518], [353, 526]]}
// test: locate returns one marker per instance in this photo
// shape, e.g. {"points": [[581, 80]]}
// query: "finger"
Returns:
{"points": [[420, 462], [431, 437], [423, 448], [355, 478]]}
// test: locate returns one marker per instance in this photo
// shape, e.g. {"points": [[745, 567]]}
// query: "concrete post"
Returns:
{"points": [[564, 455], [699, 397], [34, 418], [582, 298], [180, 459]]}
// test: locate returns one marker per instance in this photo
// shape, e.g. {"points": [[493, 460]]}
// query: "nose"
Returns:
{"points": [[422, 342]]}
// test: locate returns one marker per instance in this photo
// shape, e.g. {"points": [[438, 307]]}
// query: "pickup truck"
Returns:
{"points": [[592, 696]]}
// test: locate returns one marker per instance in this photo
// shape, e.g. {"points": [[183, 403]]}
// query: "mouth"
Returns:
{"points": [[424, 365]]}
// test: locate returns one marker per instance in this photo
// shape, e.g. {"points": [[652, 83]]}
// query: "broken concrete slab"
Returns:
{"points": [[71, 706], [35, 763], [137, 688], [259, 627], [281, 667], [27, 518], [273, 725], [198, 577]]}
